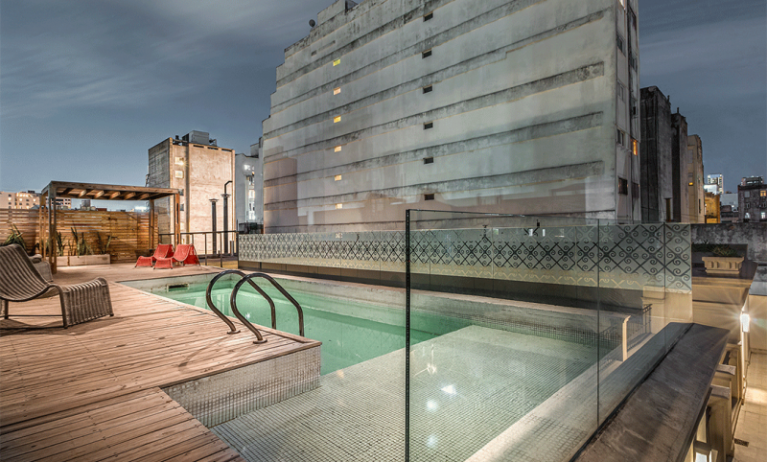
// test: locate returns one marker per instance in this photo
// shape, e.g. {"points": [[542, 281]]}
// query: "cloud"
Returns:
{"points": [[729, 56], [111, 54]]}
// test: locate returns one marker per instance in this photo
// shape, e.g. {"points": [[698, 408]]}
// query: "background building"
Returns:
{"points": [[695, 193], [713, 208], [752, 199], [718, 180], [729, 207], [249, 188], [19, 200], [200, 169], [490, 106]]}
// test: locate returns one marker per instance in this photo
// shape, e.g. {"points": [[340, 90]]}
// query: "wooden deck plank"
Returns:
{"points": [[92, 392]]}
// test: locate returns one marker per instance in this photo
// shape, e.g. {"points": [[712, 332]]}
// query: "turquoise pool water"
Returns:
{"points": [[351, 331]]}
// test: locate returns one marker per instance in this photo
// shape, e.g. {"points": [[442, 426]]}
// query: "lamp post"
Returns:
{"points": [[226, 217], [213, 214]]}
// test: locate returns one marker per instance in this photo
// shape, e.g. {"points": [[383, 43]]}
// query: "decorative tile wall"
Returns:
{"points": [[609, 256]]}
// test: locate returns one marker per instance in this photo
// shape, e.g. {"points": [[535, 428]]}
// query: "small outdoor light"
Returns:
{"points": [[745, 321]]}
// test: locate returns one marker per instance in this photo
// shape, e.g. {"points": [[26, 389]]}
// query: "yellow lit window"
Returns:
{"points": [[339, 206], [692, 184], [336, 62], [635, 147], [338, 178], [179, 174], [337, 91], [336, 119], [763, 193], [179, 161], [338, 148]]}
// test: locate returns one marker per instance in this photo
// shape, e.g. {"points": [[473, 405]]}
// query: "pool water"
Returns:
{"points": [[351, 331]]}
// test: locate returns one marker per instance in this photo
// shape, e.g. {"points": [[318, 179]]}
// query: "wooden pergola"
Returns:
{"points": [[62, 189]]}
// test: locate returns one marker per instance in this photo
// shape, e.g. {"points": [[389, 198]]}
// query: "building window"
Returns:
{"points": [[338, 178], [428, 125], [337, 91], [339, 206], [621, 137], [620, 43], [181, 207], [428, 17], [426, 54], [428, 160], [428, 197], [336, 62], [747, 194], [338, 149], [635, 190], [336, 119], [763, 193], [623, 186], [764, 216], [635, 147], [179, 174], [428, 89]]}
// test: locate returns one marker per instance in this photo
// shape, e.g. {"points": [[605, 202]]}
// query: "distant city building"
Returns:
{"points": [[695, 193], [729, 208], [23, 200], [249, 188], [716, 179], [671, 163], [63, 203], [509, 107], [199, 169], [752, 200], [713, 208]]}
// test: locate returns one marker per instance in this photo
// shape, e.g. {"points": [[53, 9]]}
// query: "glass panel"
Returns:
{"points": [[646, 302], [503, 336]]}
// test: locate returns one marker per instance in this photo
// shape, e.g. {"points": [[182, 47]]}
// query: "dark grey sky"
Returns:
{"points": [[88, 86]]}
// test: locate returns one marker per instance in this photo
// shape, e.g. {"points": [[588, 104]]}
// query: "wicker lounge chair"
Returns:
{"points": [[185, 254], [21, 282], [162, 251]]}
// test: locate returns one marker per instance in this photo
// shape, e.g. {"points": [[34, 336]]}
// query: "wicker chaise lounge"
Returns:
{"points": [[21, 282]]}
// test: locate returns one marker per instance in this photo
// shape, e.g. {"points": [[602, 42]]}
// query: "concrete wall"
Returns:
{"points": [[524, 105]]}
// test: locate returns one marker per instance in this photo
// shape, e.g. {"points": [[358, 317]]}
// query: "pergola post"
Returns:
{"points": [[152, 244], [176, 219]]}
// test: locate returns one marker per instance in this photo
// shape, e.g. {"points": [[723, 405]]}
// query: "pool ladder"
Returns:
{"points": [[233, 302]]}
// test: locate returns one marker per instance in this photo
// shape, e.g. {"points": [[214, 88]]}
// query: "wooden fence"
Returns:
{"points": [[129, 230]]}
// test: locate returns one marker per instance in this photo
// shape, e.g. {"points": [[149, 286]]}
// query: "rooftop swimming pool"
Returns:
{"points": [[351, 330]]}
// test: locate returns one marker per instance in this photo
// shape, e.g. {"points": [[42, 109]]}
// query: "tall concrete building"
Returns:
{"points": [[510, 106], [695, 192], [718, 180], [672, 163], [200, 169], [249, 189]]}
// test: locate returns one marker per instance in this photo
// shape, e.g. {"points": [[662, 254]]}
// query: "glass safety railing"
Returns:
{"points": [[524, 334]]}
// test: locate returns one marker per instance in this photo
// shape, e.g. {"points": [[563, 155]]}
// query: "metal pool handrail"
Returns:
{"points": [[240, 317], [248, 278]]}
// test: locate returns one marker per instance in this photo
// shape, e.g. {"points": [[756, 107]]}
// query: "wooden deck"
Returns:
{"points": [[92, 392]]}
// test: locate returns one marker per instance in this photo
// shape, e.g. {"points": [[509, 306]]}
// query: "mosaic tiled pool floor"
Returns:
{"points": [[467, 387]]}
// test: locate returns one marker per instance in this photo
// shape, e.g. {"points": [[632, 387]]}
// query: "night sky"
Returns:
{"points": [[88, 86]]}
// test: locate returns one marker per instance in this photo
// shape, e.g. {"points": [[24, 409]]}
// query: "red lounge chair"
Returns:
{"points": [[162, 251], [185, 254]]}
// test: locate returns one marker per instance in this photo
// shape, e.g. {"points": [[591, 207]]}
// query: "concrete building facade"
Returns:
{"points": [[671, 163], [752, 200], [249, 189], [695, 182], [510, 106], [200, 169], [718, 180]]}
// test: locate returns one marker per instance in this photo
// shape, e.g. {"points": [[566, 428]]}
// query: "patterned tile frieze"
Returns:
{"points": [[610, 256]]}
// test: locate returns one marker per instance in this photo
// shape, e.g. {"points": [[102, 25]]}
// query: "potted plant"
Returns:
{"points": [[81, 252], [15, 238], [723, 261]]}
